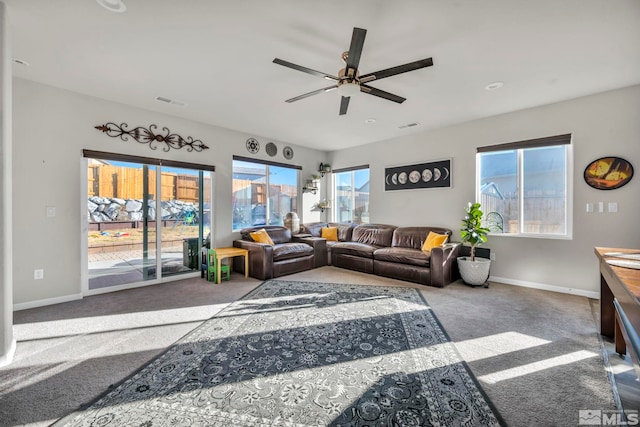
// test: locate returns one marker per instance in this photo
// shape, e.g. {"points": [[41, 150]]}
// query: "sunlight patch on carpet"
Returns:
{"points": [[534, 367], [497, 344]]}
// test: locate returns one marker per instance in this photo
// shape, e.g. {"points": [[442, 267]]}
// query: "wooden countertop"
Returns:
{"points": [[630, 277]]}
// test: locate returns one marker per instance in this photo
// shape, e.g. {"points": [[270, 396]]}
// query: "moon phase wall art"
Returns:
{"points": [[422, 175]]}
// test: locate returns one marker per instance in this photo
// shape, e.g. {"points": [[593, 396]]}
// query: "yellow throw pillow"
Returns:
{"points": [[261, 236], [329, 233], [433, 240]]}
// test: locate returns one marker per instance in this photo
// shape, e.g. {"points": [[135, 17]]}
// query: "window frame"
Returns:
{"points": [[353, 170], [267, 164], [520, 147]]}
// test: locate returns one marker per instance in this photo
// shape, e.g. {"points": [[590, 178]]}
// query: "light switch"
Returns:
{"points": [[589, 207], [613, 207], [601, 207], [51, 211]]}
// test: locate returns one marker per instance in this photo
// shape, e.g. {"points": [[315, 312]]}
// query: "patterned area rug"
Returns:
{"points": [[304, 354]]}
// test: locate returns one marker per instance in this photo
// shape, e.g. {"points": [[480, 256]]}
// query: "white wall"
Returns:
{"points": [[606, 124], [7, 342], [51, 127]]}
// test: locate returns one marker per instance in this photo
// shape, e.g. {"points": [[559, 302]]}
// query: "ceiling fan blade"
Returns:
{"points": [[344, 104], [355, 50], [416, 65], [381, 93], [315, 92], [304, 69]]}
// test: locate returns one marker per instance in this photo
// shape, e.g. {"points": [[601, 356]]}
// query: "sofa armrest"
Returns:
{"points": [[443, 265], [260, 259], [319, 245]]}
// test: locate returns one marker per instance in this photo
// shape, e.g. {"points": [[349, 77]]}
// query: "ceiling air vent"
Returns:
{"points": [[409, 125], [170, 101]]}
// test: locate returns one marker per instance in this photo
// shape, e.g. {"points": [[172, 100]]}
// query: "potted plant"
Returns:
{"points": [[474, 271]]}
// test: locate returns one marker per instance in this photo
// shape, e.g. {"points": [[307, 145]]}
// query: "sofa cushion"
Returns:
{"points": [[373, 234], [433, 240], [278, 233], [345, 231], [414, 237], [313, 228], [403, 256], [261, 236], [330, 233], [353, 248], [284, 251]]}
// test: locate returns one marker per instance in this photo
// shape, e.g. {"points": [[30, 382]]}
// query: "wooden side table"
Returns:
{"points": [[222, 253]]}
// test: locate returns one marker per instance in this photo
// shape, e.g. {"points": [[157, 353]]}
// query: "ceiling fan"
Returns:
{"points": [[349, 81]]}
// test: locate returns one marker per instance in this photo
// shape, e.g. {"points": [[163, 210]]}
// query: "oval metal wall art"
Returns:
{"points": [[608, 173]]}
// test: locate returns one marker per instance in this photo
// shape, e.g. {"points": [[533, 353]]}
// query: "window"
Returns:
{"points": [[263, 192], [146, 218], [351, 194], [524, 187]]}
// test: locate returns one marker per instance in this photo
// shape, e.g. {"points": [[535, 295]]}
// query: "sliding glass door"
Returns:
{"points": [[146, 221]]}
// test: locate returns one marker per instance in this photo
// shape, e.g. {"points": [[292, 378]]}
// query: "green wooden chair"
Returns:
{"points": [[225, 272]]}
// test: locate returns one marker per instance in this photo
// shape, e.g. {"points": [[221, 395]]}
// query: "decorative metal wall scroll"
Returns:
{"points": [[422, 175], [149, 136], [608, 173]]}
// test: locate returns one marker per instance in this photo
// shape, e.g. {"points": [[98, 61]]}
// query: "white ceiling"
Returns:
{"points": [[216, 56]]}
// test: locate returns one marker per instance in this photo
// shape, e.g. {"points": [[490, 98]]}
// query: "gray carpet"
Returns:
{"points": [[534, 353], [304, 353]]}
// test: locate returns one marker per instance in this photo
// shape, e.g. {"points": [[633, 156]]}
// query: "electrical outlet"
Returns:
{"points": [[492, 256], [38, 274]]}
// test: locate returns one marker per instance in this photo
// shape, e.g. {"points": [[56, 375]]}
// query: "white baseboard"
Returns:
{"points": [[7, 358], [542, 286], [48, 301]]}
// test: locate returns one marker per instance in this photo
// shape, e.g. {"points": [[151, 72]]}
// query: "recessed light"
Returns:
{"points": [[20, 62], [370, 120], [117, 6], [494, 86]]}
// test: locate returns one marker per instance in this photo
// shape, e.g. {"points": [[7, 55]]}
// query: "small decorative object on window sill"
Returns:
{"points": [[292, 222], [149, 136], [324, 168]]}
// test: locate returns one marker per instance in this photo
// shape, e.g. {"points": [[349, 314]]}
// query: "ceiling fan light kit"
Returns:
{"points": [[349, 81]]}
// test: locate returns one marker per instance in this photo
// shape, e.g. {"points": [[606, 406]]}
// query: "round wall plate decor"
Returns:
{"points": [[253, 146], [287, 152], [608, 173], [271, 149]]}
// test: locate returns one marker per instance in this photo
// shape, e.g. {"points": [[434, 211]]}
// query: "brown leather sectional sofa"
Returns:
{"points": [[385, 250], [288, 254]]}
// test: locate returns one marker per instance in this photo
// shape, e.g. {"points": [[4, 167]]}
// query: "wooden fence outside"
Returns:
{"points": [[548, 211], [127, 183]]}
